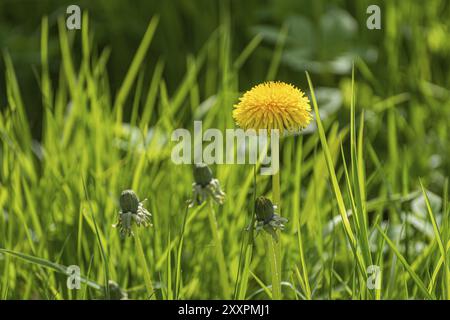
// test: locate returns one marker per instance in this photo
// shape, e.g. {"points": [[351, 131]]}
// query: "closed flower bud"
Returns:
{"points": [[264, 209], [205, 186], [266, 217], [131, 211], [202, 174], [129, 202], [115, 292]]}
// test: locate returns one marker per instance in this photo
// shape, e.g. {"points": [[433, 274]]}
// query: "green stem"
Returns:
{"points": [[179, 251], [248, 245], [276, 284], [276, 189], [219, 250], [142, 262], [275, 246]]}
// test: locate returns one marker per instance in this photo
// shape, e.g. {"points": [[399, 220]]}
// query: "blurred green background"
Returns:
{"points": [[402, 85], [323, 37]]}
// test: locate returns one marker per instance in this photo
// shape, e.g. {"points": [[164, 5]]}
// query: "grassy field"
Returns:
{"points": [[364, 187]]}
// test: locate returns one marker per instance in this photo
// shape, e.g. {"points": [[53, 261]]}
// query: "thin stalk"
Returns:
{"points": [[248, 248], [219, 249], [276, 285], [276, 189], [274, 247], [179, 251], [142, 262]]}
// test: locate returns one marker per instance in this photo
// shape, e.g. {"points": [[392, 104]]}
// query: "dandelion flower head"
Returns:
{"points": [[273, 105]]}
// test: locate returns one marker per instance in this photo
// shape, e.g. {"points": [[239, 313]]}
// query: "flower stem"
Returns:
{"points": [[248, 248], [142, 262], [219, 250], [271, 249], [275, 246]]}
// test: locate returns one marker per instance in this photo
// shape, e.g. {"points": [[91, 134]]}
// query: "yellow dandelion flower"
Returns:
{"points": [[273, 105]]}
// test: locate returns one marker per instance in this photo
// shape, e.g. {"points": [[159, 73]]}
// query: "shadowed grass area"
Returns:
{"points": [[366, 184]]}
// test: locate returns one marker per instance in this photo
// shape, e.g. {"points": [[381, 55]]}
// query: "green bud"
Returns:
{"points": [[264, 209], [129, 201], [202, 174], [115, 292]]}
